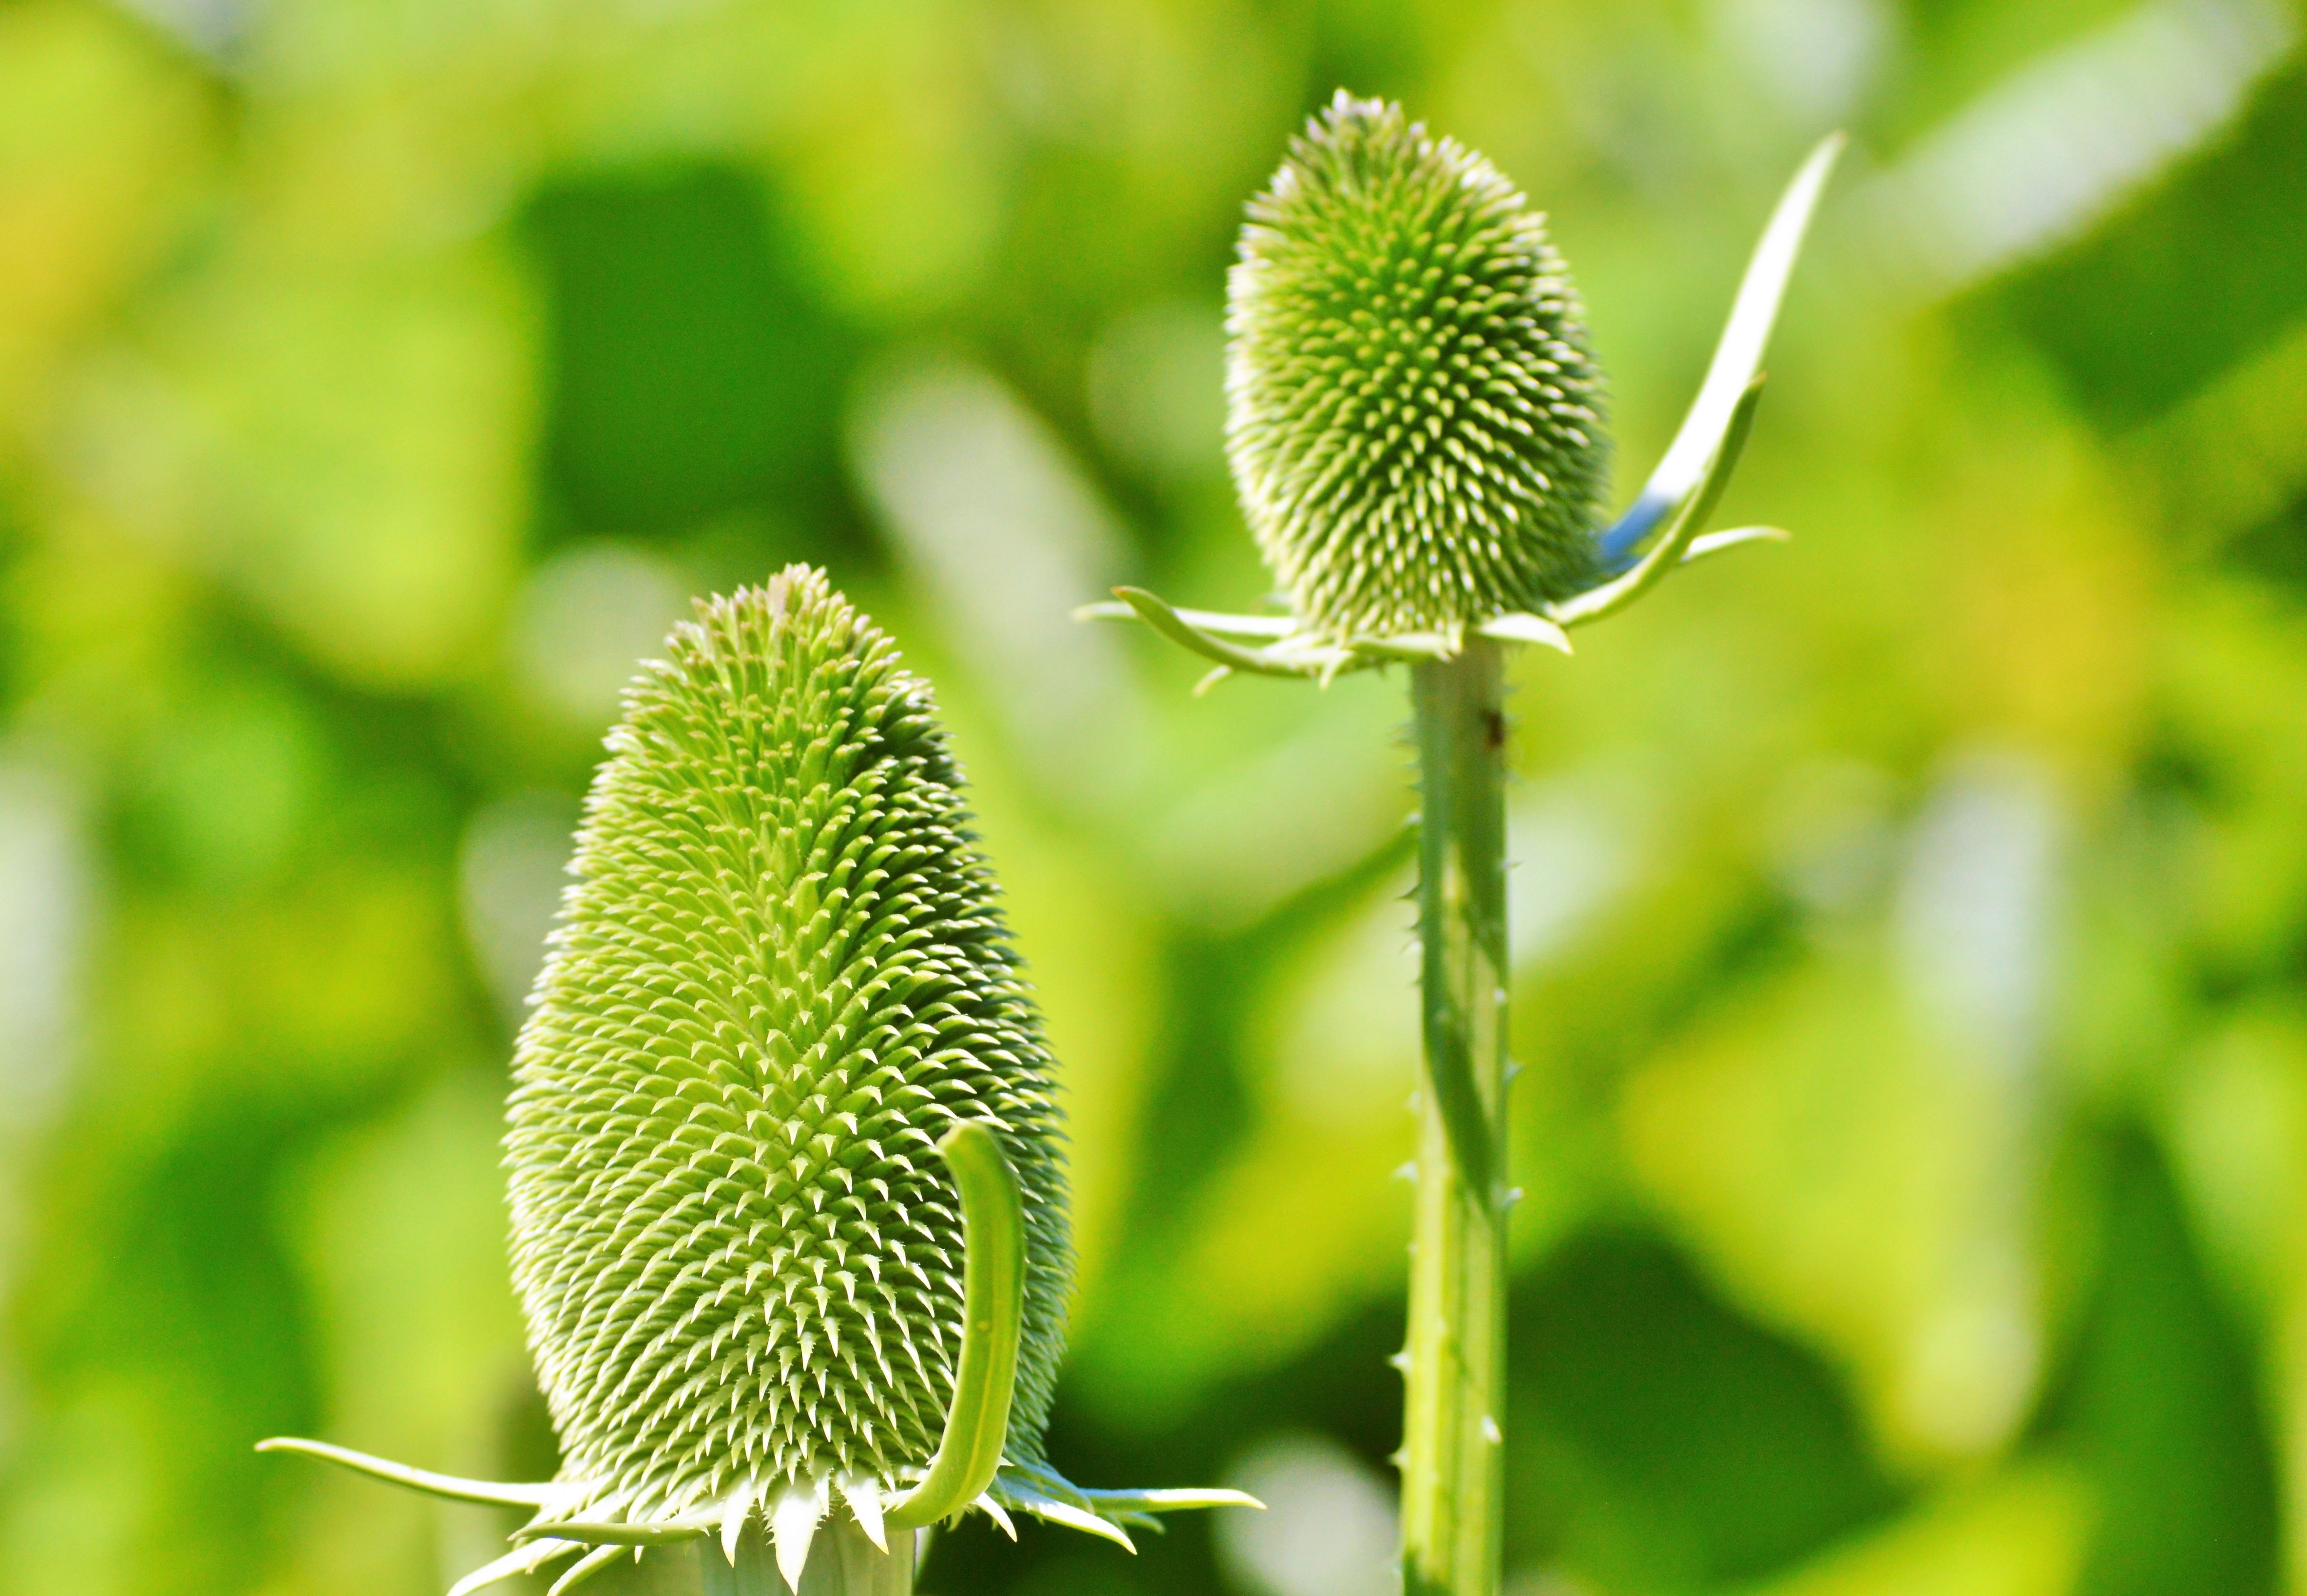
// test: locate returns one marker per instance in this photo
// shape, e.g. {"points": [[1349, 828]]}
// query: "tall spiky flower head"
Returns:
{"points": [[780, 975], [788, 1198], [1413, 416]]}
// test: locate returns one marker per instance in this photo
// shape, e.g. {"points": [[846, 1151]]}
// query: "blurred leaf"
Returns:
{"points": [[345, 448], [2232, 690], [2158, 1405], [102, 139], [2190, 278], [2275, 551], [2020, 1533], [397, 1228], [1669, 1443], [228, 784], [1250, 1230], [692, 370], [175, 1247], [1849, 1170]]}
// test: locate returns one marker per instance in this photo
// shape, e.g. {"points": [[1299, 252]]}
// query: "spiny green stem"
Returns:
{"points": [[1453, 1473], [843, 1564]]}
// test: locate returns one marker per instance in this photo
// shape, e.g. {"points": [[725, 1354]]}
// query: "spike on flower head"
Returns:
{"points": [[780, 975], [1413, 417]]}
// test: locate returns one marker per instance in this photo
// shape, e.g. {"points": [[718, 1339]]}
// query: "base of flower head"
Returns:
{"points": [[1288, 651], [599, 1521], [573, 1520], [1289, 648]]}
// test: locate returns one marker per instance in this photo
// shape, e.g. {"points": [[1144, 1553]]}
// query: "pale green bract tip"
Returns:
{"points": [[780, 976], [1414, 418]]}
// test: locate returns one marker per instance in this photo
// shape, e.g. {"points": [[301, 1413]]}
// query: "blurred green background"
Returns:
{"points": [[1911, 923]]}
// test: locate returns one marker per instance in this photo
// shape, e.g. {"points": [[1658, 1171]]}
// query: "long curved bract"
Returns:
{"points": [[993, 1309], [490, 1493], [1681, 534], [1201, 640], [1737, 357]]}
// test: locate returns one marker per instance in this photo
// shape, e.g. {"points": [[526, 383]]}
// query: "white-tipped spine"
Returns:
{"points": [[793, 1526], [733, 1515], [863, 1495]]}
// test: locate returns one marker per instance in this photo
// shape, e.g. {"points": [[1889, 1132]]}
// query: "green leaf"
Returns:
{"points": [[1171, 1501], [1051, 1510], [591, 1564], [1410, 646]]}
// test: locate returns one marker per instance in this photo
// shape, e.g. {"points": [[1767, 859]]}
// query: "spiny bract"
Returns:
{"points": [[1413, 417], [779, 976]]}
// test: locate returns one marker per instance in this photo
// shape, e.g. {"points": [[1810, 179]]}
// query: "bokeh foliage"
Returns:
{"points": [[1911, 923]]}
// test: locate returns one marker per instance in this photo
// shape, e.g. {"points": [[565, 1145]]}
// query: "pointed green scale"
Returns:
{"points": [[1414, 419], [780, 976]]}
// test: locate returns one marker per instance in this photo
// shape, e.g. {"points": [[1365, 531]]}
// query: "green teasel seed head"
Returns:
{"points": [[780, 975], [1414, 418]]}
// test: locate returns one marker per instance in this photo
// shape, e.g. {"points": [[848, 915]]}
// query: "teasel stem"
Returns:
{"points": [[1453, 1455], [844, 1563], [865, 1570], [841, 1563]]}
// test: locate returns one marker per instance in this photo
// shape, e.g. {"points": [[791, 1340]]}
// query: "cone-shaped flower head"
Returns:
{"points": [[788, 1202], [780, 975], [1413, 418]]}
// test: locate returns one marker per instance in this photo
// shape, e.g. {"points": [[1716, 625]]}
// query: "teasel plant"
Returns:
{"points": [[1415, 426], [786, 1158]]}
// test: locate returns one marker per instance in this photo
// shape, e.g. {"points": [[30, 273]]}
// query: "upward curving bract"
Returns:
{"points": [[1413, 416], [780, 976]]}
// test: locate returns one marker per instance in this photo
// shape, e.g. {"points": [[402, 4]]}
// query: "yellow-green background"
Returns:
{"points": [[1912, 919]]}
